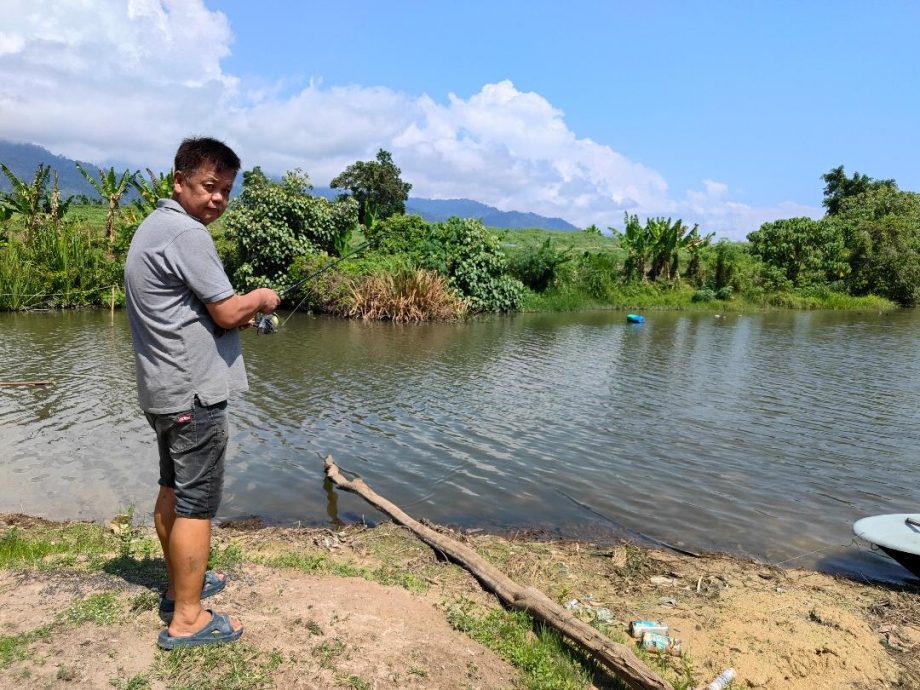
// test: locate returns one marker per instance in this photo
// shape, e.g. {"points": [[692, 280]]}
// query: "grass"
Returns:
{"points": [[649, 296], [101, 609], [52, 547], [239, 666], [532, 238], [544, 658], [322, 564]]}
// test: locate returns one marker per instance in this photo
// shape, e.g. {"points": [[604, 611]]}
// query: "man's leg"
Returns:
{"points": [[197, 450], [164, 517], [189, 544]]}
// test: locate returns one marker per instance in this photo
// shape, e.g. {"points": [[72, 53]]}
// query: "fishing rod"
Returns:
{"points": [[266, 324]]}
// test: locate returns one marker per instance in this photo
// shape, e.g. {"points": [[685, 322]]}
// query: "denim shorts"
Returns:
{"points": [[192, 446]]}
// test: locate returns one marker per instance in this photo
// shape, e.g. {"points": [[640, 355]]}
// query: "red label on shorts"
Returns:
{"points": [[183, 418]]}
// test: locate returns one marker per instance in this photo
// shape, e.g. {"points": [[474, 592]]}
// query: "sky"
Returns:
{"points": [[724, 114]]}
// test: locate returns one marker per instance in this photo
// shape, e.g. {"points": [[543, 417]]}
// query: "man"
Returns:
{"points": [[185, 319]]}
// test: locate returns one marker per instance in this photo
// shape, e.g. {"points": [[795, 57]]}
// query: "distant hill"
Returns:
{"points": [[439, 210], [23, 159]]}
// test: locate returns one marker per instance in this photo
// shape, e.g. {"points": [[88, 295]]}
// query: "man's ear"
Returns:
{"points": [[178, 182]]}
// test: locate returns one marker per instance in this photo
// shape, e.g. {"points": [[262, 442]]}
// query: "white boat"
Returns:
{"points": [[897, 534]]}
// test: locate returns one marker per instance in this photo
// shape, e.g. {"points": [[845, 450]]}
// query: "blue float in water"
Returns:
{"points": [[635, 318]]}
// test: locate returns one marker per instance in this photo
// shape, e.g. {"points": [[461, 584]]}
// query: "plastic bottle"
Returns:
{"points": [[723, 679]]}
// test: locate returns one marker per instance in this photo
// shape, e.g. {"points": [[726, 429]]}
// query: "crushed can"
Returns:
{"points": [[662, 644], [638, 628]]}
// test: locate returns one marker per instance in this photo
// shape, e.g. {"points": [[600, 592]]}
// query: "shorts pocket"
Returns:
{"points": [[184, 432]]}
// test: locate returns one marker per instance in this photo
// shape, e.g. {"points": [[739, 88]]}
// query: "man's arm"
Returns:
{"points": [[238, 310]]}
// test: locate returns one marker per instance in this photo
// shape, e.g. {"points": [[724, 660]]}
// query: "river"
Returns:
{"points": [[761, 435]]}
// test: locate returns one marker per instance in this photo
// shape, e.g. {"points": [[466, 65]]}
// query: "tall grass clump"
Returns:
{"points": [[404, 296], [19, 282]]}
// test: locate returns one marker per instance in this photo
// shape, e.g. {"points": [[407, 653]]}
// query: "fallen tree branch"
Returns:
{"points": [[618, 658]]}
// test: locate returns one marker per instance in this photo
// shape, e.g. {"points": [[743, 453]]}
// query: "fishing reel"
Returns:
{"points": [[267, 324]]}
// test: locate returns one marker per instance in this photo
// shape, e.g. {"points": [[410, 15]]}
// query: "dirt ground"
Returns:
{"points": [[779, 629]]}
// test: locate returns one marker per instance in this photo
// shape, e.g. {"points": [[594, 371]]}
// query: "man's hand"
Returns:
{"points": [[238, 310]]}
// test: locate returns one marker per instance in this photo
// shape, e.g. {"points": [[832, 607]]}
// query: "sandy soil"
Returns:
{"points": [[780, 629]]}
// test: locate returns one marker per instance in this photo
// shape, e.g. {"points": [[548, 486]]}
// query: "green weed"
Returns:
{"points": [[138, 682], [328, 651], [102, 609], [545, 660], [16, 647], [51, 547], [237, 666]]}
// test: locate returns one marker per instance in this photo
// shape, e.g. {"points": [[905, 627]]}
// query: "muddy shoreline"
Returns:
{"points": [[399, 616]]}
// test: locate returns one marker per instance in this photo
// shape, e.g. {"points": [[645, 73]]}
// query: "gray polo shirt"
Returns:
{"points": [[171, 272]]}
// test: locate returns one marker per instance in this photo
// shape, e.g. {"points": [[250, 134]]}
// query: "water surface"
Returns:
{"points": [[762, 435]]}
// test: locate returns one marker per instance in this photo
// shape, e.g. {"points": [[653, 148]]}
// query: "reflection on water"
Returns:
{"points": [[763, 435]]}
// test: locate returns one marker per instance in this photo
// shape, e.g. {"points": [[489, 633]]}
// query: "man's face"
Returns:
{"points": [[204, 194]]}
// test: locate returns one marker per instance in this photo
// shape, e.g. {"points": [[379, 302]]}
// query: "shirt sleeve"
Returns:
{"points": [[194, 260]]}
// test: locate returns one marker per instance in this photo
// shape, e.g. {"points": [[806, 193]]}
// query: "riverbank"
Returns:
{"points": [[374, 608]]}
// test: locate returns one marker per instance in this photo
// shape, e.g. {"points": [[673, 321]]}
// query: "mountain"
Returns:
{"points": [[23, 159], [439, 210], [436, 210]]}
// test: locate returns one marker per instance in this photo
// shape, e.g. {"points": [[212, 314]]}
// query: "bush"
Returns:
{"points": [[538, 268], [596, 274], [725, 293], [273, 223], [703, 295], [409, 235], [472, 259]]}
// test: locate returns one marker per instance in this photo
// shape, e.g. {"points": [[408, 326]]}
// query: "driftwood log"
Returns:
{"points": [[619, 659]]}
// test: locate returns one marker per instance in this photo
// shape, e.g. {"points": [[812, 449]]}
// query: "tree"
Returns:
{"points": [[804, 250], [111, 189], [653, 251], [376, 187], [274, 224], [838, 187], [32, 200], [880, 228]]}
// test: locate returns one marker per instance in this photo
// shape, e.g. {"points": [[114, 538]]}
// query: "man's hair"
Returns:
{"points": [[195, 151]]}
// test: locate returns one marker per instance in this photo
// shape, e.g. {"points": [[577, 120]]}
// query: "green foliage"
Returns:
{"points": [[802, 250], [399, 234], [596, 273], [881, 229], [56, 263], [538, 268], [32, 201], [654, 251], [159, 187], [376, 186], [545, 660], [274, 223], [704, 295], [471, 257], [111, 188], [838, 187]]}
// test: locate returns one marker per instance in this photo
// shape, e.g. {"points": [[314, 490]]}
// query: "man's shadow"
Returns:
{"points": [[146, 572]]}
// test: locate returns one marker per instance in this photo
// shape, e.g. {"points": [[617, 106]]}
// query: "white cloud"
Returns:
{"points": [[126, 80]]}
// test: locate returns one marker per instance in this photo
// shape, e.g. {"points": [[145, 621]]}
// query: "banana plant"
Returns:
{"points": [[635, 240], [159, 187], [27, 199], [111, 189]]}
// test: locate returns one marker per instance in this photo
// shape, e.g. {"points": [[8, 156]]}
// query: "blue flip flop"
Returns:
{"points": [[212, 585], [217, 631]]}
